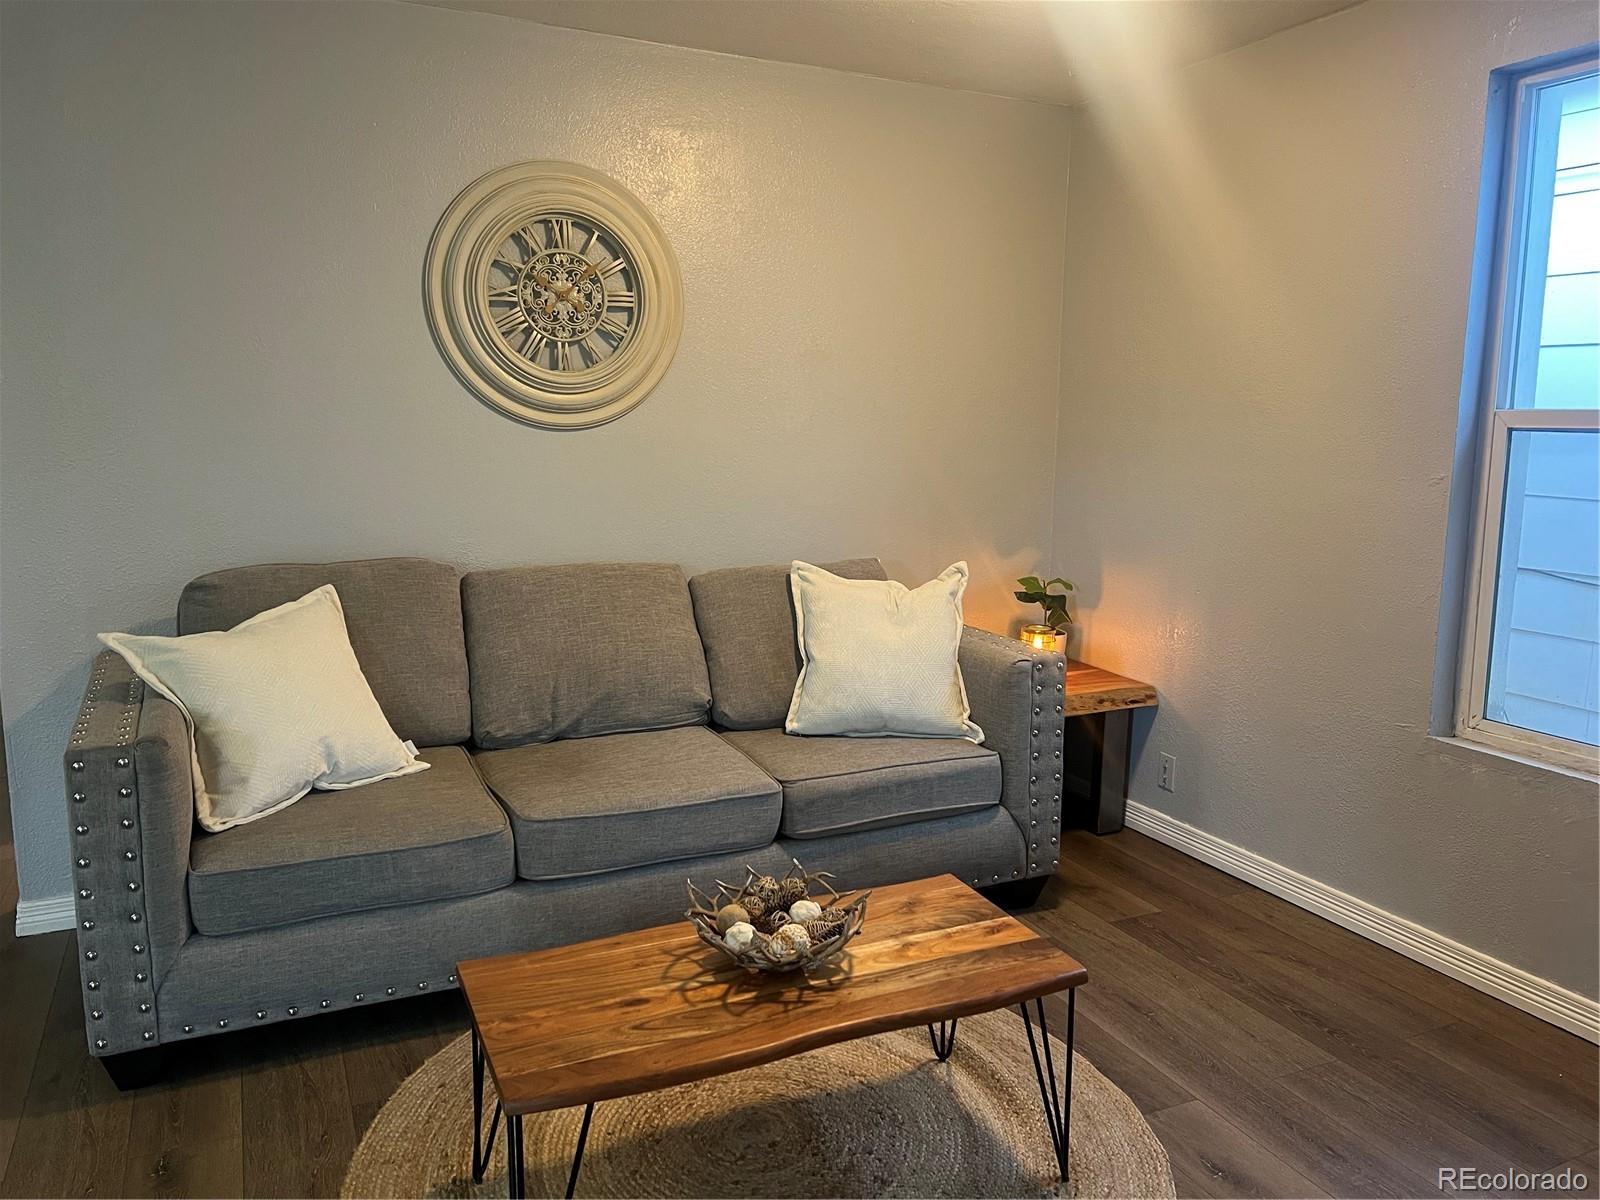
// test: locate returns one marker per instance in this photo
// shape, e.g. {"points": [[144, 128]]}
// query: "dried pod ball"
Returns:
{"points": [[773, 921], [729, 915], [805, 910], [832, 920], [821, 929], [738, 936], [754, 906], [790, 942], [791, 890], [766, 888]]}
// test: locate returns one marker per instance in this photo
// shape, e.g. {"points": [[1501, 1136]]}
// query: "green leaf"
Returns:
{"points": [[1030, 583], [1056, 615], [1066, 583]]}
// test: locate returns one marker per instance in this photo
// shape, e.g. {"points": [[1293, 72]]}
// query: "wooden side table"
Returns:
{"points": [[1104, 701]]}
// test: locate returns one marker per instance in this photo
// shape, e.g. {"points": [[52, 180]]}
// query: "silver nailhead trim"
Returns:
{"points": [[91, 955], [99, 1043], [93, 985], [140, 977], [144, 1006], [122, 762], [95, 1014]]}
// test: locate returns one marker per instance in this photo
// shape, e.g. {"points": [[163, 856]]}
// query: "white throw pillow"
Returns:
{"points": [[878, 658], [276, 706]]}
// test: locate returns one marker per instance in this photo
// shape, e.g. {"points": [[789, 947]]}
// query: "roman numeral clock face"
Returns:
{"points": [[563, 293], [553, 294]]}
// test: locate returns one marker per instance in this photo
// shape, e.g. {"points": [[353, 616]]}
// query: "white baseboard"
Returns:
{"points": [[45, 916], [1544, 999]]}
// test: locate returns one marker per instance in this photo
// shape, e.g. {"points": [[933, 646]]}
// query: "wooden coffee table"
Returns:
{"points": [[647, 1010]]}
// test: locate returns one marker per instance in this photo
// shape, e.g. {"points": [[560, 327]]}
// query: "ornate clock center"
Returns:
{"points": [[562, 295]]}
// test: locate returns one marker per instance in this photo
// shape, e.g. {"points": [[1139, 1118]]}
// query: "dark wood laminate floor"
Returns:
{"points": [[1275, 1054]]}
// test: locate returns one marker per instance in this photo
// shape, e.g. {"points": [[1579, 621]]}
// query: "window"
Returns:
{"points": [[1530, 678]]}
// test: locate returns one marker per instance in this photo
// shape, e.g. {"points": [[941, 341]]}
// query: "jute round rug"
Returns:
{"points": [[878, 1116]]}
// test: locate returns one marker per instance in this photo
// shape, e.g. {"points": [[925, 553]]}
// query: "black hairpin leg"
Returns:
{"points": [[481, 1148], [577, 1158], [943, 1039], [516, 1159], [516, 1181], [1057, 1110]]}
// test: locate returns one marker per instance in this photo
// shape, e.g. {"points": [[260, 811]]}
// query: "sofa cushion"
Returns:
{"points": [[421, 837], [404, 620], [587, 805], [746, 620], [843, 784], [548, 661]]}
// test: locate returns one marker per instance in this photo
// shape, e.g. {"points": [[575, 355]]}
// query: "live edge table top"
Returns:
{"points": [[1092, 689], [646, 1010]]}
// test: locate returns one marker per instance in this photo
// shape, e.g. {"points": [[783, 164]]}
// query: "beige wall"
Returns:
{"points": [[213, 225], [1268, 265]]}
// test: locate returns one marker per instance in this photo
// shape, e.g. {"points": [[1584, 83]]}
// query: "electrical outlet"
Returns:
{"points": [[1168, 780]]}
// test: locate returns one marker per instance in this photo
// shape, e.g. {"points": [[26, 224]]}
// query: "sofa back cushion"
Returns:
{"points": [[404, 620], [746, 620], [550, 660]]}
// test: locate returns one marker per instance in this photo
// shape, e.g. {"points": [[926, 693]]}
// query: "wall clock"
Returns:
{"points": [[553, 294]]}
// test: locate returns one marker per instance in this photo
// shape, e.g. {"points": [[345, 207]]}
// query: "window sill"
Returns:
{"points": [[1524, 758]]}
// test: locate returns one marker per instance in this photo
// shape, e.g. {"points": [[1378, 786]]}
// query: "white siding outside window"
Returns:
{"points": [[1531, 655]]}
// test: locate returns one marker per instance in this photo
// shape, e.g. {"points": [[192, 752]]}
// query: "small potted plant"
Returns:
{"points": [[1052, 634]]}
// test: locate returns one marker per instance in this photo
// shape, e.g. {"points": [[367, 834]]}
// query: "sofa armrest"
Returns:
{"points": [[1017, 694], [131, 805]]}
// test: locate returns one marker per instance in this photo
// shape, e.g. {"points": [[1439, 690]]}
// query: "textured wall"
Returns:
{"points": [[1268, 265], [213, 224]]}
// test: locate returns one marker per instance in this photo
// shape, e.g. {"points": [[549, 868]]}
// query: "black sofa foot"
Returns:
{"points": [[135, 1069], [1017, 893]]}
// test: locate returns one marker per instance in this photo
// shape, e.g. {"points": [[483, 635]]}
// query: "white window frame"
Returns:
{"points": [[1513, 346]]}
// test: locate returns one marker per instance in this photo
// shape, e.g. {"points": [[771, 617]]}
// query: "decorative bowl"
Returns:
{"points": [[761, 905]]}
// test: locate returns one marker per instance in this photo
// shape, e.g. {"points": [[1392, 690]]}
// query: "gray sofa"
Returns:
{"points": [[578, 776]]}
